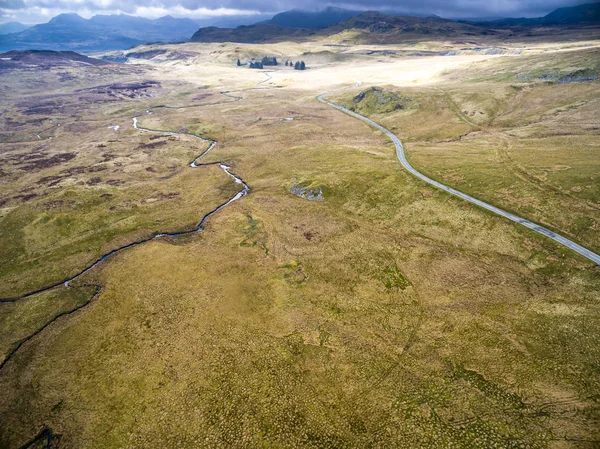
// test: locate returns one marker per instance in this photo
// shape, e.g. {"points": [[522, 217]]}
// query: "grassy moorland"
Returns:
{"points": [[528, 144], [74, 187], [387, 315]]}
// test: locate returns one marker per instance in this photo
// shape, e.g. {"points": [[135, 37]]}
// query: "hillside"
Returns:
{"points": [[376, 27], [587, 14], [371, 27], [260, 33], [312, 19], [45, 59]]}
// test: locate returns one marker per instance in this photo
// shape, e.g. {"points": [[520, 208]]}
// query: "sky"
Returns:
{"points": [[38, 11]]}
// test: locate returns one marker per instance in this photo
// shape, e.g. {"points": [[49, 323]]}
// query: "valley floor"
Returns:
{"points": [[389, 314]]}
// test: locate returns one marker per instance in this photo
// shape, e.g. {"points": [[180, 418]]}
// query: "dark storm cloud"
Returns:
{"points": [[197, 8], [441, 7], [12, 4]]}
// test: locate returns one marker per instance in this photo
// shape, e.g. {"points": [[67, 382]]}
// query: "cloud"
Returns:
{"points": [[154, 12], [12, 4], [42, 10]]}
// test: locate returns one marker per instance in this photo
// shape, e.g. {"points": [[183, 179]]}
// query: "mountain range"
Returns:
{"points": [[72, 32], [107, 32], [117, 32], [376, 27], [370, 27]]}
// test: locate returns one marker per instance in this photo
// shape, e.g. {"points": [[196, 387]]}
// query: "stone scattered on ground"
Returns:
{"points": [[556, 76]]}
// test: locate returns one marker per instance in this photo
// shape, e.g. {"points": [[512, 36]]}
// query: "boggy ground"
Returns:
{"points": [[388, 315], [81, 181]]}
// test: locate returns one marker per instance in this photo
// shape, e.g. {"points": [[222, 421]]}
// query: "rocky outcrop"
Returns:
{"points": [[377, 100], [307, 194]]}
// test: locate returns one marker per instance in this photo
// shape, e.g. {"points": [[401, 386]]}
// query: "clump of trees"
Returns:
{"points": [[299, 65], [269, 61]]}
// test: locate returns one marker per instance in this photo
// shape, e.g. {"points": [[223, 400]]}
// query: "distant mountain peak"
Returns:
{"points": [[67, 16], [67, 19], [12, 27]]}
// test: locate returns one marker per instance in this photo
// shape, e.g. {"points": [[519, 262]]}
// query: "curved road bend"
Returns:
{"points": [[402, 158]]}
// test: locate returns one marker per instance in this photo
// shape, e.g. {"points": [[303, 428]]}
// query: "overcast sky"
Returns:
{"points": [[37, 11]]}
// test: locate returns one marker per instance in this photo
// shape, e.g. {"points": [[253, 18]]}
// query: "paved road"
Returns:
{"points": [[402, 158]]}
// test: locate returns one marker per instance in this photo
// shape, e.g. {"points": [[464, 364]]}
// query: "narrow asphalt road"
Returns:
{"points": [[402, 158]]}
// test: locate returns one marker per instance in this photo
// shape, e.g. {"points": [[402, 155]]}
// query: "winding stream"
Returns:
{"points": [[198, 228], [230, 94]]}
